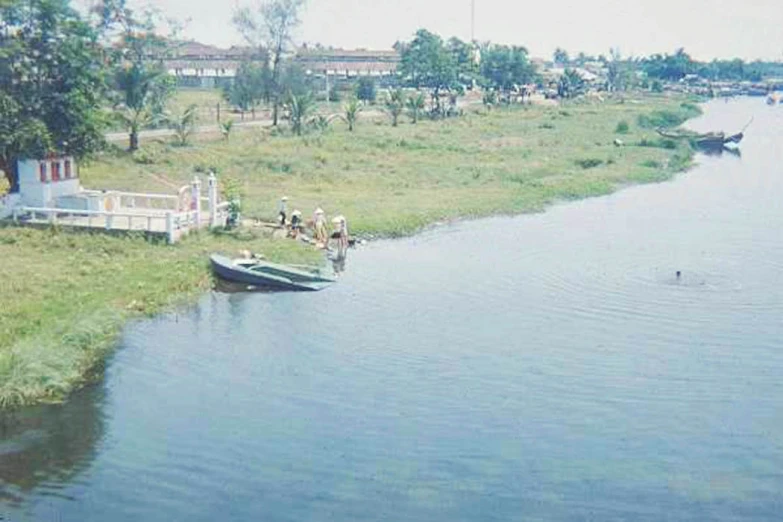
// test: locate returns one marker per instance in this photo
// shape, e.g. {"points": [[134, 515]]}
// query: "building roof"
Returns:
{"points": [[203, 64], [350, 66], [196, 50], [347, 55]]}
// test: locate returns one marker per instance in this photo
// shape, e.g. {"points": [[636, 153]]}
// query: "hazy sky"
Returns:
{"points": [[706, 28]]}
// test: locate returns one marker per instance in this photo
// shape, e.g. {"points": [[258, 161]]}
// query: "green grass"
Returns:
{"points": [[391, 181], [66, 295]]}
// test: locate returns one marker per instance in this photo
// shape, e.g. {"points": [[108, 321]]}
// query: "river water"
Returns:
{"points": [[544, 367]]}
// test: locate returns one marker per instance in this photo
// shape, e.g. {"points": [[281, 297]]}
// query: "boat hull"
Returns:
{"points": [[227, 269]]}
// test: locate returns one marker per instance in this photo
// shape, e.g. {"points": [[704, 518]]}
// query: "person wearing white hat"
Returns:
{"points": [[282, 211], [341, 231], [319, 227]]}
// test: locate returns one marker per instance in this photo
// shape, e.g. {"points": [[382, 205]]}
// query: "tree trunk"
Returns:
{"points": [[10, 169], [275, 105], [134, 141]]}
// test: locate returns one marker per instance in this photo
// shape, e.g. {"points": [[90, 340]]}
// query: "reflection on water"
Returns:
{"points": [[548, 367], [720, 151], [48, 445], [338, 259]]}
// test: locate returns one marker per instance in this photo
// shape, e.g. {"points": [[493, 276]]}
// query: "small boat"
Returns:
{"points": [[717, 140], [261, 273], [705, 140]]}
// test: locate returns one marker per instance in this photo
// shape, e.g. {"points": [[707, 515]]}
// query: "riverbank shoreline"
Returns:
{"points": [[78, 290]]}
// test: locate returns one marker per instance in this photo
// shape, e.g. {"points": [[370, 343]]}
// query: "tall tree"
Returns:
{"points": [[426, 62], [141, 81], [270, 26], [671, 67], [618, 76], [504, 67], [51, 83], [250, 87], [465, 59], [570, 84]]}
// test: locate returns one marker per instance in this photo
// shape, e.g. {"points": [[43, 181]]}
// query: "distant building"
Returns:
{"points": [[198, 65], [348, 63]]}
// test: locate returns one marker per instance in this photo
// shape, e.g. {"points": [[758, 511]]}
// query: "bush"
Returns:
{"points": [[147, 156], [651, 164], [589, 163], [658, 119], [622, 128], [658, 144], [365, 90], [335, 94]]}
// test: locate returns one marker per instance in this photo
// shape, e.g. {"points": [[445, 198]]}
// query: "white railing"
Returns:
{"points": [[173, 215], [173, 225], [148, 201]]}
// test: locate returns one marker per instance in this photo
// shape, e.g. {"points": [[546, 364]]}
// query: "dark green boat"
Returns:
{"points": [[264, 274]]}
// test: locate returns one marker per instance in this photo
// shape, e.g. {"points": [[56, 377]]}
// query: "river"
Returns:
{"points": [[542, 367]]}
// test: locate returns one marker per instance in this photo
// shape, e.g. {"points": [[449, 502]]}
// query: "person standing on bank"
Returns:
{"points": [[282, 209], [319, 227], [342, 232], [296, 223]]}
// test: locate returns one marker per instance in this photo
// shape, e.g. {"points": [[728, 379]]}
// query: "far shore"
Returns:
{"points": [[67, 295]]}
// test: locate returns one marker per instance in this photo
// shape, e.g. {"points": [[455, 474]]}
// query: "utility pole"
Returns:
{"points": [[472, 21]]}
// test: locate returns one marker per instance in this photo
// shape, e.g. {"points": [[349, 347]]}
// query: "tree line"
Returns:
{"points": [[677, 65], [66, 77]]}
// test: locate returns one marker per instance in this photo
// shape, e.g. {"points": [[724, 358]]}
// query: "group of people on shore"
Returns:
{"points": [[296, 226]]}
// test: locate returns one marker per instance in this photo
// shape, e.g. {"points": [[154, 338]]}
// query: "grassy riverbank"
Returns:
{"points": [[66, 295]]}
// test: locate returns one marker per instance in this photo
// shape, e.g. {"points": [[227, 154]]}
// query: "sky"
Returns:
{"points": [[707, 29]]}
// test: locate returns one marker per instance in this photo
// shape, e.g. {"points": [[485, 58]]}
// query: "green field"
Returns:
{"points": [[66, 295]]}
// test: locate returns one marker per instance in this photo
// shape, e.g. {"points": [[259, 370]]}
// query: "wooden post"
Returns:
{"points": [[218, 112], [213, 200], [170, 227], [195, 205]]}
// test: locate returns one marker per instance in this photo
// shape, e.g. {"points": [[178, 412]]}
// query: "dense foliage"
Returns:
{"points": [[503, 67], [51, 83]]}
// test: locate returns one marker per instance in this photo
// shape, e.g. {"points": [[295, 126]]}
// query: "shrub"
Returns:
{"points": [[663, 119], [658, 144], [589, 163], [365, 89], [622, 127]]}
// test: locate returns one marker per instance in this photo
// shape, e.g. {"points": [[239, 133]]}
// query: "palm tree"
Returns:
{"points": [[299, 108], [352, 110], [144, 92], [415, 105], [225, 128], [184, 124], [395, 103], [570, 84]]}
